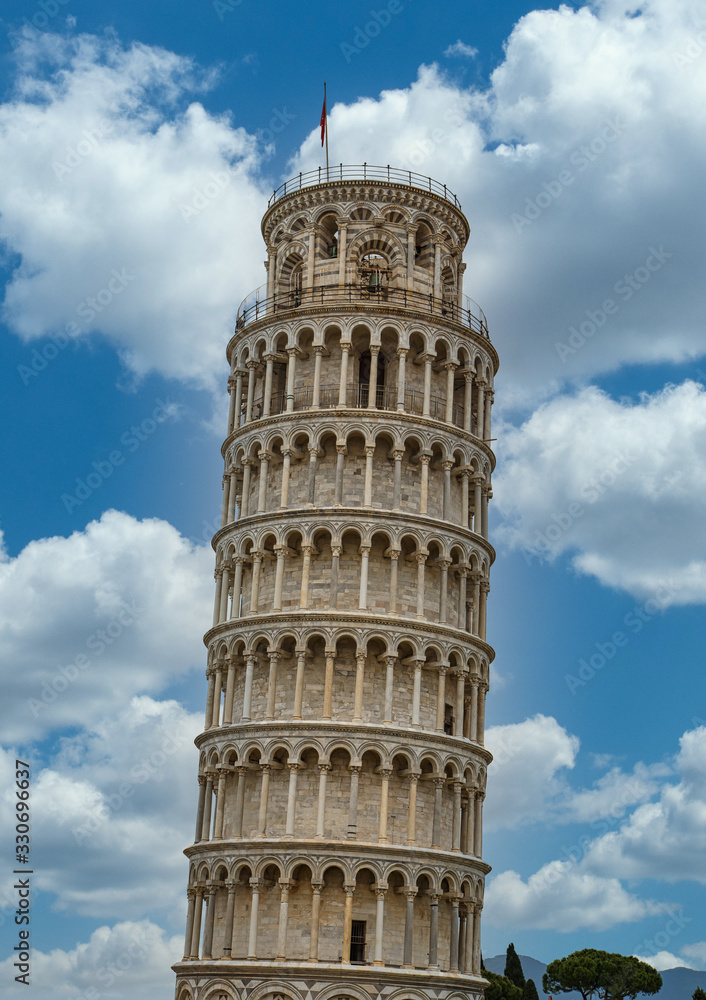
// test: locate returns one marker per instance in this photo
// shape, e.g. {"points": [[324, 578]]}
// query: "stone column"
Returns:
{"points": [[208, 805], [436, 823], [255, 906], [281, 553], [283, 916], [434, 931], [299, 684], [424, 459], [484, 590], [196, 936], [245, 499], [267, 394], [217, 688], [462, 584], [286, 466], [247, 693], [397, 454], [447, 466], [409, 892], [274, 657], [238, 563], [316, 888], [456, 819], [333, 591], [208, 923], [190, 895], [453, 949], [464, 475], [481, 409], [478, 826], [343, 380], [231, 404], [411, 241], [292, 353], [313, 456], [476, 603], [200, 809], [220, 801], [389, 687], [441, 698], [412, 815], [462, 918], [373, 382], [252, 368], [239, 375], [486, 422], [426, 406], [310, 258], [421, 558], [379, 924], [342, 240], [368, 487], [473, 734], [443, 596], [347, 925], [211, 675], [225, 587], [417, 693], [230, 914], [467, 401], [402, 356], [482, 691], [363, 596], [485, 496], [475, 966], [294, 769], [450, 368], [321, 811], [338, 484], [394, 566], [353, 802], [468, 942], [477, 503], [241, 770], [316, 393], [328, 683], [385, 774], [359, 680], [264, 457], [265, 770], [226, 499], [257, 558], [460, 695]]}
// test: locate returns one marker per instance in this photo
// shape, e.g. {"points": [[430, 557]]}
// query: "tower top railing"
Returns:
{"points": [[363, 172], [258, 305]]}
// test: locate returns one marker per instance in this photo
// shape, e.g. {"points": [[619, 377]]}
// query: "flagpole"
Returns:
{"points": [[326, 129]]}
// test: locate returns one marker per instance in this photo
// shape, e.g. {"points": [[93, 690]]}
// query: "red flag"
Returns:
{"points": [[323, 122]]}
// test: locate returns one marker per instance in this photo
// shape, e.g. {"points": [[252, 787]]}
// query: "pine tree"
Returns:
{"points": [[513, 967], [698, 994], [530, 991]]}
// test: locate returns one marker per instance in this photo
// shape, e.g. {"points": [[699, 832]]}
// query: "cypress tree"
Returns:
{"points": [[513, 967], [530, 991]]}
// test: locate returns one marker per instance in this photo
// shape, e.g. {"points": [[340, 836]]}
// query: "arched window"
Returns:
{"points": [[373, 273]]}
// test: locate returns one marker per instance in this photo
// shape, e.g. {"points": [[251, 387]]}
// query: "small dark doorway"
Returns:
{"points": [[358, 942]]}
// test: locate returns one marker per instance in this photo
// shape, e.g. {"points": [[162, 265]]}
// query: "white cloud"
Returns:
{"points": [[128, 961], [525, 781], [626, 186], [102, 159], [614, 794], [90, 620], [113, 811], [561, 897], [460, 48], [596, 477], [665, 839], [665, 960]]}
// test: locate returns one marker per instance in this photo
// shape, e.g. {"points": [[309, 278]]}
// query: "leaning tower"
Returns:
{"points": [[337, 853]]}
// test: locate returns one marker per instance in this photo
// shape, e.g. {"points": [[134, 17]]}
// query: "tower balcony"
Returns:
{"points": [[341, 172], [462, 310]]}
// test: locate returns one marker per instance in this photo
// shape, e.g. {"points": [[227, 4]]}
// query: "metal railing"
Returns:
{"points": [[257, 305], [363, 172], [358, 398]]}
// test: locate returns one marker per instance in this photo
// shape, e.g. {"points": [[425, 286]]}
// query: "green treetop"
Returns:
{"points": [[513, 967], [601, 975]]}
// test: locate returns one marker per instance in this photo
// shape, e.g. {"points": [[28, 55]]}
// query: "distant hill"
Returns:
{"points": [[678, 984]]}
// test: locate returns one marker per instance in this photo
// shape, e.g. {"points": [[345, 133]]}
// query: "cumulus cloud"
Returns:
{"points": [[124, 202], [129, 961], [526, 780], [460, 48], [614, 794], [561, 897], [596, 477], [665, 839], [113, 810], [583, 156], [90, 620], [666, 960]]}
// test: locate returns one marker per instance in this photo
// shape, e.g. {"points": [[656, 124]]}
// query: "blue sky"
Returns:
{"points": [[139, 145]]}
